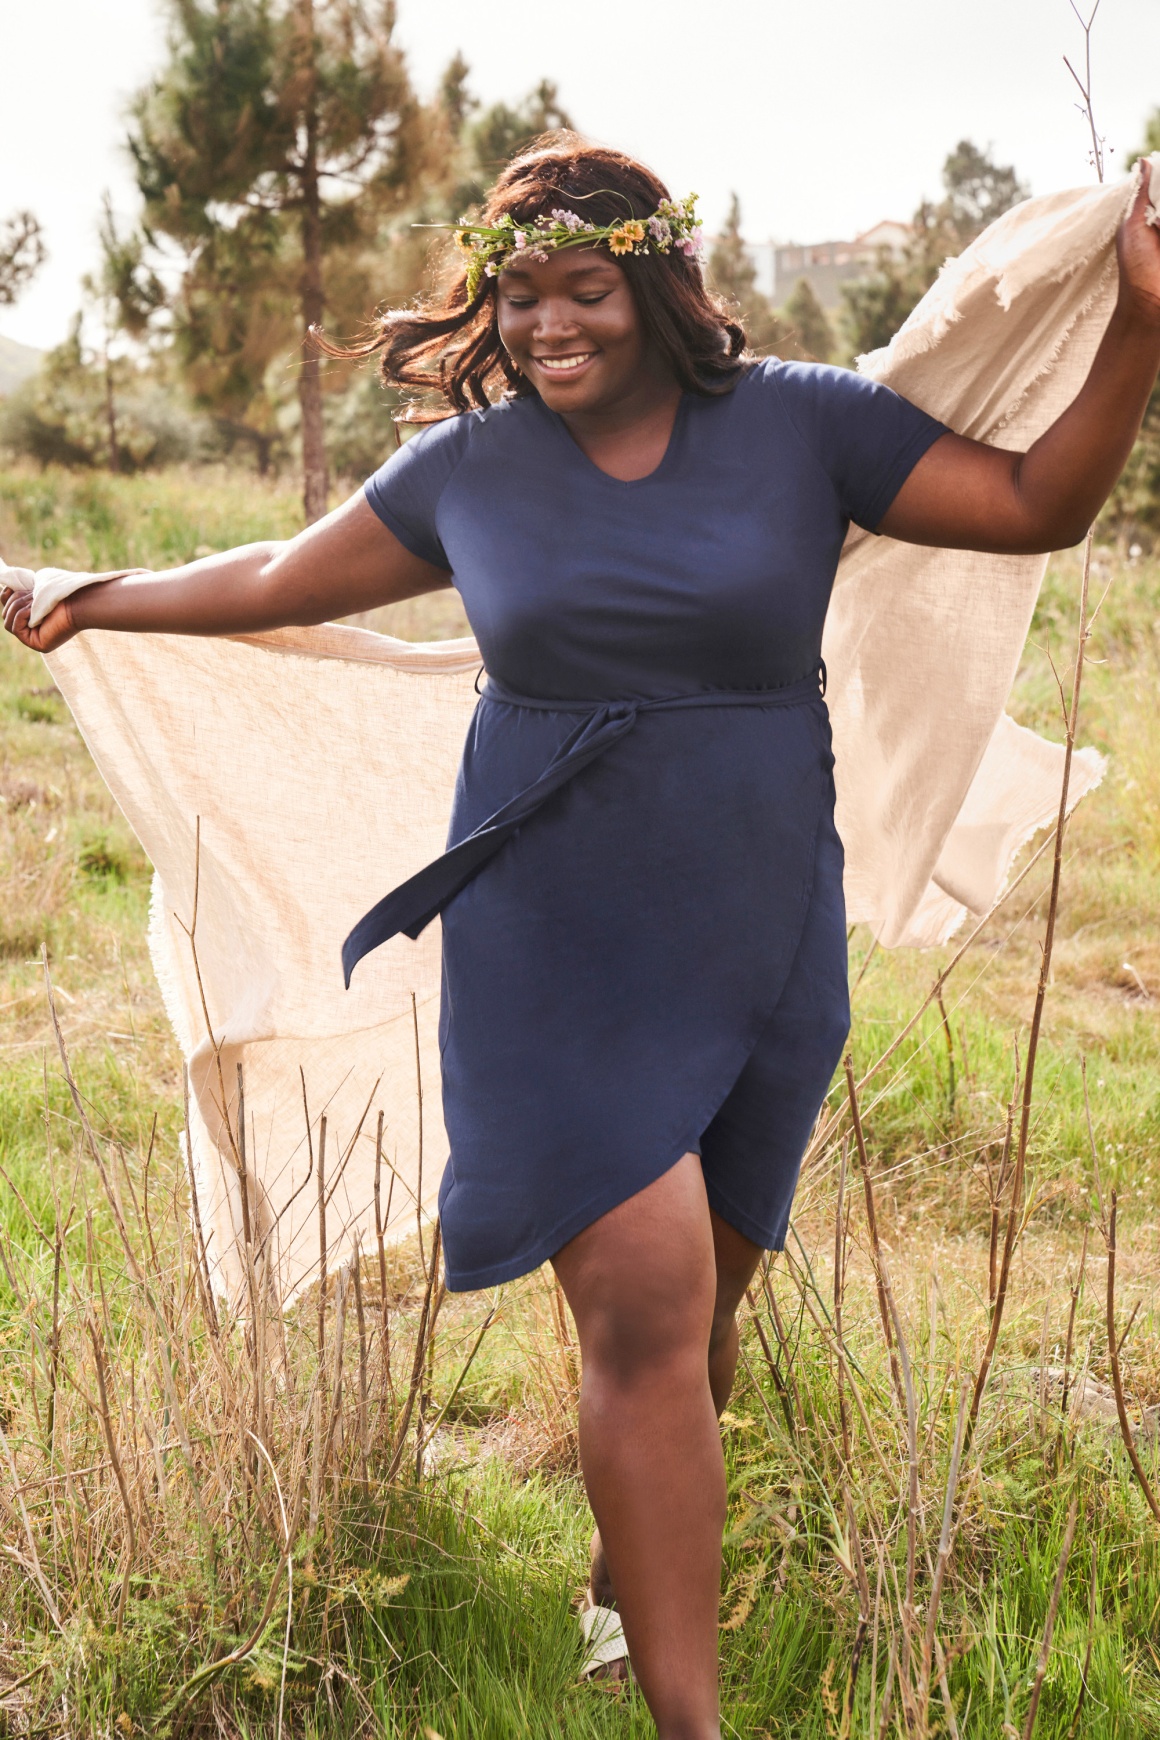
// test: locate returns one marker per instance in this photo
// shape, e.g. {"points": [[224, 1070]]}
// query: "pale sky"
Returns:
{"points": [[824, 115]]}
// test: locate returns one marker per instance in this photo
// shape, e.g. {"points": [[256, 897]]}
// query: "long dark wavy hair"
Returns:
{"points": [[451, 346]]}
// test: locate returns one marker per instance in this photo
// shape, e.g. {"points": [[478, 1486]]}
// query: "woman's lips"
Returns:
{"points": [[563, 366]]}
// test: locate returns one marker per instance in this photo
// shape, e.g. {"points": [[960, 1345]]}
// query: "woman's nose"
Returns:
{"points": [[555, 318]]}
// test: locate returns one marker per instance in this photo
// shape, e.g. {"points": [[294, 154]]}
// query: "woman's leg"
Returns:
{"points": [[642, 1283], [735, 1263], [736, 1259]]}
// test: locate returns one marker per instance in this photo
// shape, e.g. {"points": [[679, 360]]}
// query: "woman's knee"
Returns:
{"points": [[723, 1328], [654, 1331]]}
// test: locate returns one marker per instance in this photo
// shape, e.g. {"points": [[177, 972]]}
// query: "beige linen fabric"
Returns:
{"points": [[319, 765]]}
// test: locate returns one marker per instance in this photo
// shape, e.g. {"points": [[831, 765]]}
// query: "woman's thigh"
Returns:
{"points": [[642, 1280]]}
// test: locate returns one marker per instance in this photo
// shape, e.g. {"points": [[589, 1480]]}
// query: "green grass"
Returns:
{"points": [[480, 1640]]}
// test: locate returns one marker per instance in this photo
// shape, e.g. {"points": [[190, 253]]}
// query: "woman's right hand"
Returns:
{"points": [[57, 627]]}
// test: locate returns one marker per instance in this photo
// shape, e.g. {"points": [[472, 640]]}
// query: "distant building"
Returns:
{"points": [[825, 266]]}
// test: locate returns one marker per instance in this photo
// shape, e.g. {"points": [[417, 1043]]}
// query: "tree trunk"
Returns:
{"points": [[315, 483], [111, 413]]}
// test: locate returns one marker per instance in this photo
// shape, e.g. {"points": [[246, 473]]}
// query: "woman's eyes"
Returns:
{"points": [[585, 301]]}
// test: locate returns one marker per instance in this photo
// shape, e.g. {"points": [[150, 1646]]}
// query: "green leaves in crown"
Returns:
{"points": [[673, 227]]}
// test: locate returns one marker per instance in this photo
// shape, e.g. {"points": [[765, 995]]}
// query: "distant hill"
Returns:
{"points": [[17, 362]]}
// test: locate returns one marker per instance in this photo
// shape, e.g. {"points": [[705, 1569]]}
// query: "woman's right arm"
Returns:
{"points": [[345, 563]]}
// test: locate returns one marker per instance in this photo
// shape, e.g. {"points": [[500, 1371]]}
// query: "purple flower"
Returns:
{"points": [[566, 219], [660, 229]]}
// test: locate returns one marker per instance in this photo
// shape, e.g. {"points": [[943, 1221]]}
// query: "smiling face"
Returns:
{"points": [[571, 325]]}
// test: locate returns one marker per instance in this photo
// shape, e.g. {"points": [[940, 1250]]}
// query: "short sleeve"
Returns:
{"points": [[406, 491], [867, 437]]}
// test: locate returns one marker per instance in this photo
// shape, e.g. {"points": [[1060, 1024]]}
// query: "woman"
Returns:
{"points": [[644, 944]]}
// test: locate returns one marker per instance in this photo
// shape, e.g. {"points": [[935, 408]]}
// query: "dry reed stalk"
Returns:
{"points": [[1117, 1375], [425, 1389], [874, 1632], [872, 1223], [177, 1413], [290, 1590], [828, 1332], [784, 1349], [427, 1316], [334, 1425], [743, 1358], [779, 1384], [363, 1387], [102, 1409], [995, 1188], [204, 1280], [419, 1102], [1049, 1626], [862, 1628], [840, 1229], [1069, 1343], [463, 1371], [322, 1242], [381, 1223], [907, 1609], [1071, 716], [945, 1690], [941, 1561], [33, 1565], [942, 1009]]}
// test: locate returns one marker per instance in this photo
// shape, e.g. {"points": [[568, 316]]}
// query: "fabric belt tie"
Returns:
{"points": [[408, 909]]}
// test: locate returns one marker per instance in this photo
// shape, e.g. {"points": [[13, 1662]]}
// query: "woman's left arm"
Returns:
{"points": [[968, 496]]}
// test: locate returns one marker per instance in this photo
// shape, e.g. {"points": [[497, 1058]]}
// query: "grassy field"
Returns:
{"points": [[435, 1514]]}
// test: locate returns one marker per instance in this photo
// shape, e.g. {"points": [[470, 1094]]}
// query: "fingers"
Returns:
{"points": [[1143, 195], [17, 610]]}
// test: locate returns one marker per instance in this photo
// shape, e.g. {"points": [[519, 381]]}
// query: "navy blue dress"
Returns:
{"points": [[644, 941]]}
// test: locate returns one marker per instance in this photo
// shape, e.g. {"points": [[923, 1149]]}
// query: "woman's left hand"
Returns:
{"points": [[1138, 250]]}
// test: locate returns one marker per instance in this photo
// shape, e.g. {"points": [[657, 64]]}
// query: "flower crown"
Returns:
{"points": [[491, 247]]}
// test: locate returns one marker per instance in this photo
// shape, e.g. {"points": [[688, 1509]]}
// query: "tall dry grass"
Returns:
{"points": [[362, 1515]]}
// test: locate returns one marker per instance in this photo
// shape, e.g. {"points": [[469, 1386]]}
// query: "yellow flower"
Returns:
{"points": [[624, 238]]}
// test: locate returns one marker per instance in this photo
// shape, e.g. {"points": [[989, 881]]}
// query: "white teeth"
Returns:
{"points": [[558, 364]]}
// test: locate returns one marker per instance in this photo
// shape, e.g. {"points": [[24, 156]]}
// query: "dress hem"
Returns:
{"points": [[513, 1268]]}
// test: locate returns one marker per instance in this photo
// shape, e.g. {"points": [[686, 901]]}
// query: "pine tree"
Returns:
{"points": [[491, 140], [271, 148], [976, 191], [730, 266], [126, 294], [22, 254], [806, 319], [734, 276]]}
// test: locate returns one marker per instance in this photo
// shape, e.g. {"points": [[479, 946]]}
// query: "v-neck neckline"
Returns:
{"points": [[664, 464]]}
